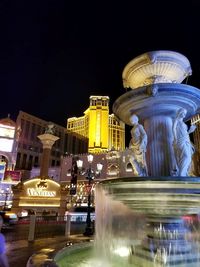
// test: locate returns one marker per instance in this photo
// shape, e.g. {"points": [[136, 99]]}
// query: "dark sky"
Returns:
{"points": [[56, 53]]}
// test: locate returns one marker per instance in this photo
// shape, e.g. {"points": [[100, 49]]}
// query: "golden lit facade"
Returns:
{"points": [[116, 133], [103, 130]]}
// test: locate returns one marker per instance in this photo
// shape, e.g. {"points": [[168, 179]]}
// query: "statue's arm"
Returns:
{"points": [[192, 128], [143, 134]]}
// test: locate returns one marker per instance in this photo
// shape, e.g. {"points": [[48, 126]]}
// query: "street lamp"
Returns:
{"points": [[74, 173], [90, 174]]}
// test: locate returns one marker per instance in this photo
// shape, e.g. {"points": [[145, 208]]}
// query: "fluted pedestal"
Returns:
{"points": [[47, 140], [160, 154]]}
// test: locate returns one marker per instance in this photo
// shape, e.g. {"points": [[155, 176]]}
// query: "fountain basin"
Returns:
{"points": [[161, 204], [156, 67], [84, 256], [163, 196], [75, 255]]}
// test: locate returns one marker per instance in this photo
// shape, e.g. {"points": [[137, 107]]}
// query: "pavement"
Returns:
{"points": [[39, 253]]}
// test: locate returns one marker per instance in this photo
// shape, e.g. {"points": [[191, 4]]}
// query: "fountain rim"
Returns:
{"points": [[180, 195], [72, 249], [174, 95], [171, 179]]}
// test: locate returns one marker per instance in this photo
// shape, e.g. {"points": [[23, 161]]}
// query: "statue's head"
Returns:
{"points": [[134, 119], [181, 113]]}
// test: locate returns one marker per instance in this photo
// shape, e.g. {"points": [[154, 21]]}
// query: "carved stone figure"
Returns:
{"points": [[183, 148], [138, 145], [50, 129], [152, 90]]}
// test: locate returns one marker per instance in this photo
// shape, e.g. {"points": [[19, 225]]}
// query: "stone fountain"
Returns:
{"points": [[156, 96], [165, 192]]}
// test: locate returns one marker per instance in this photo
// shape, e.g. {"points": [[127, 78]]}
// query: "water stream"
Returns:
{"points": [[134, 228]]}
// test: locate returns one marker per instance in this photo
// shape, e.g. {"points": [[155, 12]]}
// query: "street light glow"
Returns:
{"points": [[90, 158]]}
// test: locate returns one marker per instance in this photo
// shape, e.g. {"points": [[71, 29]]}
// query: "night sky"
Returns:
{"points": [[55, 54]]}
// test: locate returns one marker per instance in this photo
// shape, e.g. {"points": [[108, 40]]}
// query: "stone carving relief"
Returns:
{"points": [[152, 90], [157, 79]]}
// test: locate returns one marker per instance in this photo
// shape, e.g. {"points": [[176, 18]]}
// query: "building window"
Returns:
{"points": [[57, 154], [27, 129], [22, 127], [24, 146], [33, 137], [30, 162], [36, 162], [18, 160], [38, 130], [24, 161]]}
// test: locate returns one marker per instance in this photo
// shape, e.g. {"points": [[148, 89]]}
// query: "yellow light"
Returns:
{"points": [[39, 205], [38, 179], [39, 198], [30, 181]]}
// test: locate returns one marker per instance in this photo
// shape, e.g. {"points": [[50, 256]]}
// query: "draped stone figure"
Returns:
{"points": [[137, 146], [183, 148]]}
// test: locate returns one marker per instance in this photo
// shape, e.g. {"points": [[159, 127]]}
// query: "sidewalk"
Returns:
{"points": [[19, 252]]}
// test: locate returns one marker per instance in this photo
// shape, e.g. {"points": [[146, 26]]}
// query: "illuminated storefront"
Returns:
{"points": [[39, 195], [80, 196]]}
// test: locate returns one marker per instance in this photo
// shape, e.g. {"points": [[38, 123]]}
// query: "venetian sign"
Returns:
{"points": [[40, 190]]}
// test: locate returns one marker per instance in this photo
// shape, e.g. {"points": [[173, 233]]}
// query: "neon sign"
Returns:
{"points": [[40, 192]]}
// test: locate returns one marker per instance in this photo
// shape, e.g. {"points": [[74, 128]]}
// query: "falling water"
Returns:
{"points": [[134, 228], [118, 230]]}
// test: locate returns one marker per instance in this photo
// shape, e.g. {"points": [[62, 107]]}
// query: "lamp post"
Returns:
{"points": [[90, 175], [74, 173]]}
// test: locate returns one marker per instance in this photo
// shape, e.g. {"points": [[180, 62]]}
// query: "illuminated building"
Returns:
{"points": [[8, 151], [21, 151], [115, 164], [29, 150], [30, 147], [8, 142], [103, 130]]}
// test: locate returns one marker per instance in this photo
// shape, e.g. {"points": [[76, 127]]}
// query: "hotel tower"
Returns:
{"points": [[105, 132]]}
